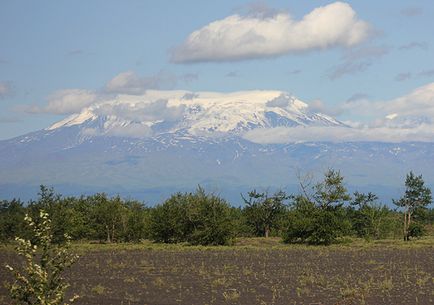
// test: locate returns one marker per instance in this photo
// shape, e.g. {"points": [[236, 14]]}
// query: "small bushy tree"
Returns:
{"points": [[263, 211], [107, 216], [209, 219], [168, 223], [196, 218], [11, 219], [41, 281], [416, 195], [301, 221], [318, 217], [370, 219], [137, 217]]}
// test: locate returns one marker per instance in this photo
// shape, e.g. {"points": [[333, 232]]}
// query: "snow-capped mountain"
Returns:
{"points": [[206, 114], [155, 144]]}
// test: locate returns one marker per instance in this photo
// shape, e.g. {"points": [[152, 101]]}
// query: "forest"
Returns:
{"points": [[322, 212]]}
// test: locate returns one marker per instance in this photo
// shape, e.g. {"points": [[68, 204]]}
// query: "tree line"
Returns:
{"points": [[322, 213]]}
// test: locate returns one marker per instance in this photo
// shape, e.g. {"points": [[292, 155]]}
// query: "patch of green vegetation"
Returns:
{"points": [[99, 289], [323, 213]]}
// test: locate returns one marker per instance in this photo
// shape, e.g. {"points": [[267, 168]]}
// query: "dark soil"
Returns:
{"points": [[250, 276]]}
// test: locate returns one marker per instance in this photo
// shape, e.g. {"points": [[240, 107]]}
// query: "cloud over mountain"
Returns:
{"points": [[65, 101], [417, 103], [283, 135], [404, 119], [237, 37], [130, 83]]}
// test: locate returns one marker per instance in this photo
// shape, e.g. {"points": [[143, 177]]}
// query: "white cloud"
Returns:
{"points": [[391, 116], [130, 83], [66, 101], [407, 118], [418, 102], [189, 96], [238, 38], [318, 106], [69, 101], [281, 135], [142, 111], [134, 119], [281, 101]]}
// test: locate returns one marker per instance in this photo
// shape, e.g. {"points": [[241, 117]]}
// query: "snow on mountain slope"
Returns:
{"points": [[196, 114], [170, 140]]}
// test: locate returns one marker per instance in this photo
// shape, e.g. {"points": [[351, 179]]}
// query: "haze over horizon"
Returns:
{"points": [[364, 63]]}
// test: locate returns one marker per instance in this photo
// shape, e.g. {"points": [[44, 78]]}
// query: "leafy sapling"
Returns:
{"points": [[40, 282]]}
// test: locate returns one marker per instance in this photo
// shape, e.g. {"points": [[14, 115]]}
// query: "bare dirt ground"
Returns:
{"points": [[263, 272]]}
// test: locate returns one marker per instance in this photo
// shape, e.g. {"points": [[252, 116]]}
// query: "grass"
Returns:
{"points": [[231, 295], [99, 289], [256, 243], [245, 243]]}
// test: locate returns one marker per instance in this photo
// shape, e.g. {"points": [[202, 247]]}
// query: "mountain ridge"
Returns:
{"points": [[178, 146], [197, 114]]}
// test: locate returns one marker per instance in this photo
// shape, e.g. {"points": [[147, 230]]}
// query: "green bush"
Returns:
{"points": [[300, 221], [312, 224], [264, 213], [168, 222], [11, 220], [319, 217], [197, 218], [371, 220], [40, 282], [416, 230]]}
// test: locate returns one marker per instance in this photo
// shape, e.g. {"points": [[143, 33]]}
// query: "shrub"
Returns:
{"points": [[416, 230], [209, 220], [319, 218], [41, 281], [197, 218], [263, 212]]}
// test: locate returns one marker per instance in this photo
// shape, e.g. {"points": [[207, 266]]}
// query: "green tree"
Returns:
{"points": [[317, 215], [11, 219], [137, 218], [197, 218], [82, 213], [331, 193], [41, 281], [416, 195], [57, 207], [107, 216], [371, 220], [301, 219], [263, 211], [209, 219], [168, 223]]}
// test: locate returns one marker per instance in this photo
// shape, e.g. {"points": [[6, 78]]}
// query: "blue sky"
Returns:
{"points": [[380, 57]]}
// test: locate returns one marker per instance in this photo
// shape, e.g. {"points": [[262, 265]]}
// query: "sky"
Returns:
{"points": [[368, 63]]}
